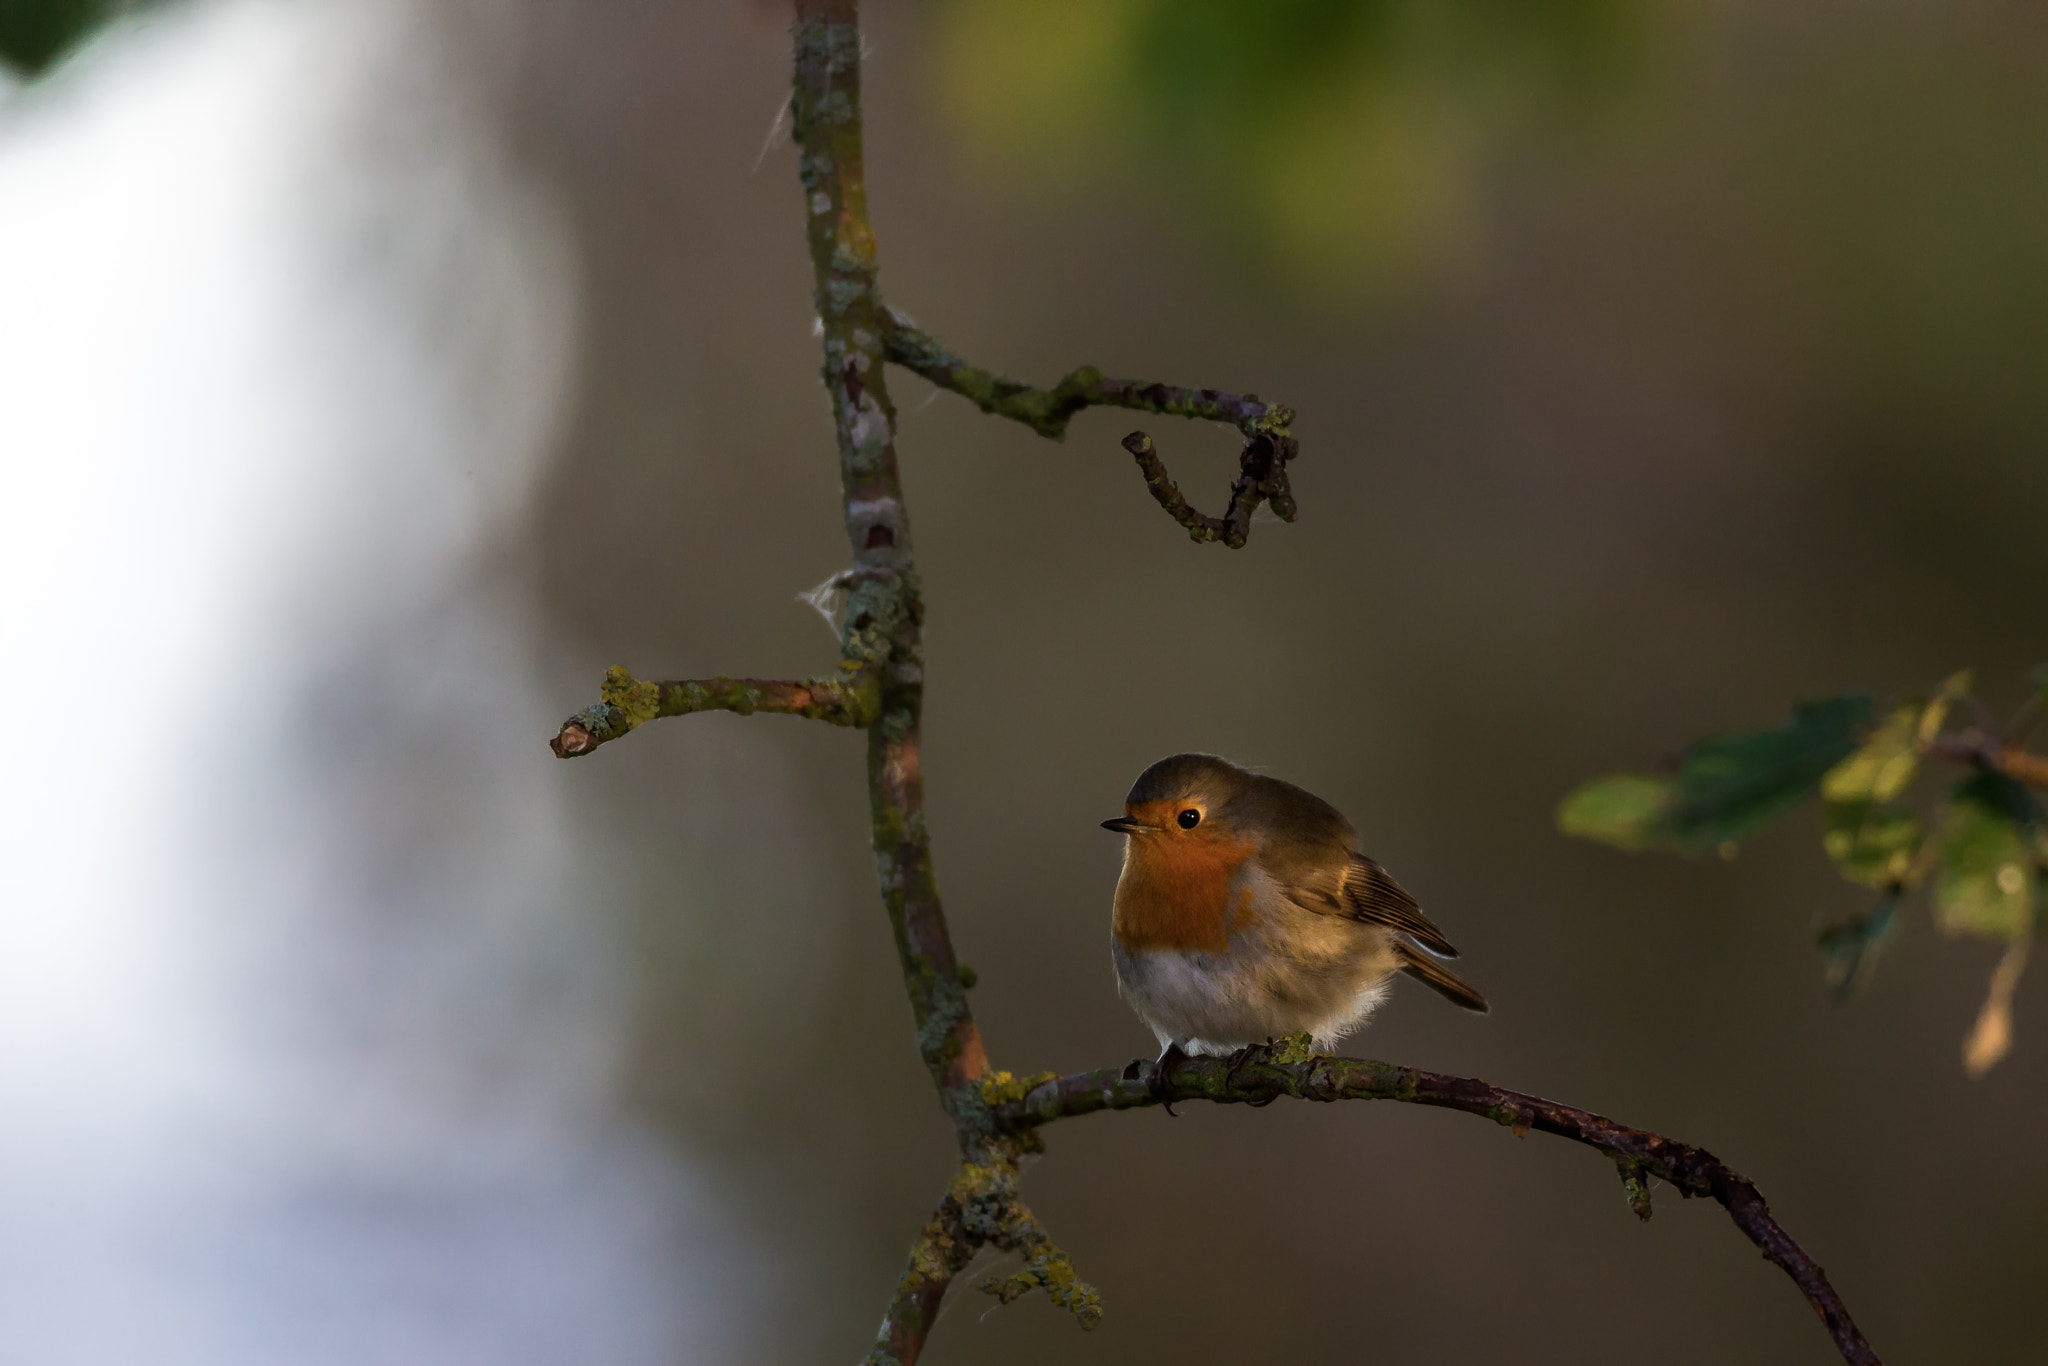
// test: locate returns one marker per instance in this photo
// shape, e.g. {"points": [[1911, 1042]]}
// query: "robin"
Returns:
{"points": [[1246, 912]]}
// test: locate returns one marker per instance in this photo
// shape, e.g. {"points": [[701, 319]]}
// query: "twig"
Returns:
{"points": [[1986, 752], [980, 1209], [628, 703], [1262, 465], [1046, 411], [1261, 475], [1255, 1081]]}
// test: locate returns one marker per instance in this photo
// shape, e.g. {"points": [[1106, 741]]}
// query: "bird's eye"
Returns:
{"points": [[1190, 818]]}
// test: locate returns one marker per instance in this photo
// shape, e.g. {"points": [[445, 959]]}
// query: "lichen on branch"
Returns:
{"points": [[626, 703]]}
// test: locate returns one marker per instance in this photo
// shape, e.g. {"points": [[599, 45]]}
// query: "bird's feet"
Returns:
{"points": [[1162, 1075], [1251, 1055]]}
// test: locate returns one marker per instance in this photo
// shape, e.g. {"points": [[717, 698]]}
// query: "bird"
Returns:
{"points": [[1246, 912]]}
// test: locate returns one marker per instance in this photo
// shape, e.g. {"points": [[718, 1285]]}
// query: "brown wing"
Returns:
{"points": [[1370, 893], [1442, 980]]}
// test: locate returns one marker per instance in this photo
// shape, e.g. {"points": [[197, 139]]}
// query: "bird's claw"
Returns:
{"points": [[1162, 1076], [1251, 1055]]}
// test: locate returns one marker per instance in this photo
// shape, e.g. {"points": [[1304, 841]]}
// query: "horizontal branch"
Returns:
{"points": [[1289, 1071], [1262, 466], [852, 699], [1973, 747], [1046, 411]]}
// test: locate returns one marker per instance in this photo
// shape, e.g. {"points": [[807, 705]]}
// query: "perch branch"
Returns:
{"points": [[1262, 465], [1290, 1071], [628, 703]]}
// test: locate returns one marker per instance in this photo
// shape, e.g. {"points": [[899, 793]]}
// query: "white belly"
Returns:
{"points": [[1294, 971]]}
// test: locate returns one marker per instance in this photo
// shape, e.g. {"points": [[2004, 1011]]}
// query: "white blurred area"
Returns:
{"points": [[306, 1035]]}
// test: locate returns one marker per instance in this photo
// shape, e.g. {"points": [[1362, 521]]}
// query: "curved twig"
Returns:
{"points": [[1262, 475], [1259, 1079], [1262, 467]]}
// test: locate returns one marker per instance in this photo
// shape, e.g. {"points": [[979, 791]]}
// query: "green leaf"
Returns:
{"points": [[1991, 853], [1852, 946], [1880, 769], [1874, 846], [1724, 788], [35, 33], [1625, 810], [1873, 842], [1731, 785]]}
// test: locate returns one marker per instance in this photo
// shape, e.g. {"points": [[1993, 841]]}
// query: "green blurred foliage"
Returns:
{"points": [[1342, 141], [1723, 788], [1988, 858], [35, 33], [1874, 842], [1991, 856]]}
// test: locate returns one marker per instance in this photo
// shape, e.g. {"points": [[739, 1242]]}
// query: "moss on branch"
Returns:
{"points": [[626, 703]]}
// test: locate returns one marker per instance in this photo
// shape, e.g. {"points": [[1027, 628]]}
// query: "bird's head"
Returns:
{"points": [[1183, 797]]}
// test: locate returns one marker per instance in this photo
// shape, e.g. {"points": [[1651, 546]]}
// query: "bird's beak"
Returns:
{"points": [[1124, 825]]}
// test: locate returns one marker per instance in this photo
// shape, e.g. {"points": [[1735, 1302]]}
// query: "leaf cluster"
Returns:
{"points": [[1980, 849]]}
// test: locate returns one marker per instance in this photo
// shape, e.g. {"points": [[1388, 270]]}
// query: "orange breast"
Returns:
{"points": [[1175, 890]]}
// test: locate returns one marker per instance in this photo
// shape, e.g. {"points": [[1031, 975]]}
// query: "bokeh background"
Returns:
{"points": [[377, 372]]}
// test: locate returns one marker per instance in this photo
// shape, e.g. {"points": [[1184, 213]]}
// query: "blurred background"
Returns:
{"points": [[376, 372]]}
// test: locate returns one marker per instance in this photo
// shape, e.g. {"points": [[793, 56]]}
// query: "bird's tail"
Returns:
{"points": [[1441, 979]]}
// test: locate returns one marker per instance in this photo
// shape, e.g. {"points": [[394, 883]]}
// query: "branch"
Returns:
{"points": [[1262, 466], [1046, 411], [1264, 1076], [1975, 748], [980, 1209], [1261, 475], [629, 703], [885, 613]]}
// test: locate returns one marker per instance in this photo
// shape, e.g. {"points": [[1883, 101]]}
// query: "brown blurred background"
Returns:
{"points": [[1701, 368], [1657, 364]]}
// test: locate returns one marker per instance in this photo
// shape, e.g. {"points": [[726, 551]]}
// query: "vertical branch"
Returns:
{"points": [[885, 613]]}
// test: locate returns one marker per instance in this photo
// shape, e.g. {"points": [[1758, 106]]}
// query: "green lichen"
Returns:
{"points": [[1002, 1088], [1052, 1271], [1296, 1048], [1635, 1186], [636, 702]]}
